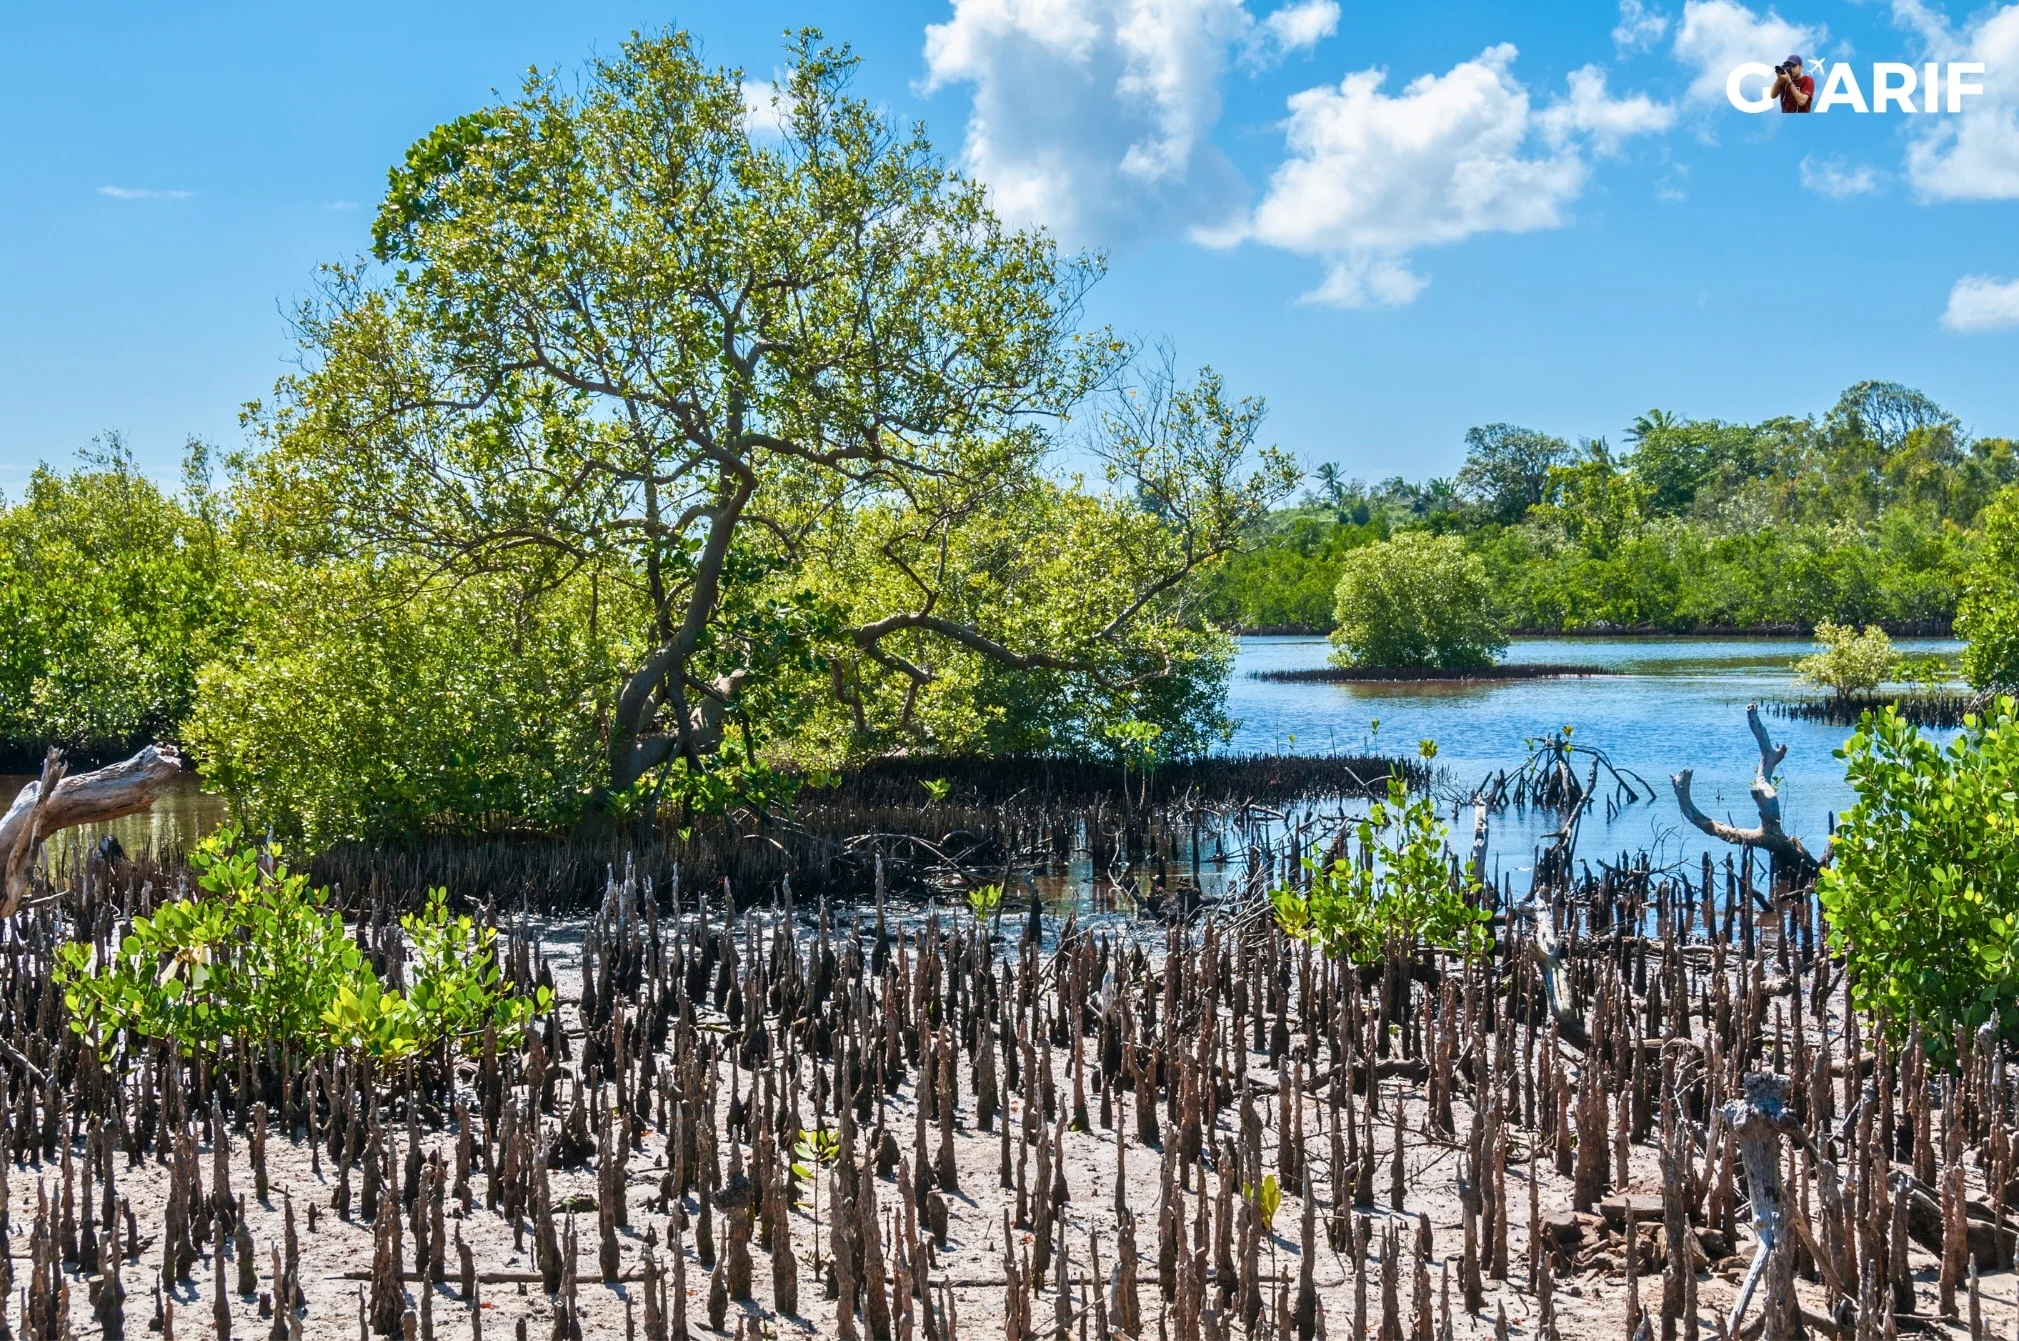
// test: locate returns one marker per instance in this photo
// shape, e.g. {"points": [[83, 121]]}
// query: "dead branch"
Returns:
{"points": [[1786, 850], [55, 802]]}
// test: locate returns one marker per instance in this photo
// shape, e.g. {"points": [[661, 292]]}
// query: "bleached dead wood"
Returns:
{"points": [[1786, 850], [55, 802], [1759, 1118]]}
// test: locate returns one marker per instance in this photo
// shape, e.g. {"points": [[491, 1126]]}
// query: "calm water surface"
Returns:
{"points": [[1669, 704], [1666, 704]]}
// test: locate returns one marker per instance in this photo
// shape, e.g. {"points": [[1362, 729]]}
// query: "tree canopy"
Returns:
{"points": [[776, 415], [1507, 468], [109, 602]]}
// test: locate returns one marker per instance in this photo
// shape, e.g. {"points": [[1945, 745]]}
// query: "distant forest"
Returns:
{"points": [[1868, 514]]}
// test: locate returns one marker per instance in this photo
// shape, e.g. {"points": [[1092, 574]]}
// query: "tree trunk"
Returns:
{"points": [[55, 802]]}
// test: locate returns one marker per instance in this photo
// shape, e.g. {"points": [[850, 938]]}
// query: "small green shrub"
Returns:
{"points": [[1921, 894], [984, 901], [1266, 1199], [1404, 896], [1416, 600], [259, 957], [1852, 661]]}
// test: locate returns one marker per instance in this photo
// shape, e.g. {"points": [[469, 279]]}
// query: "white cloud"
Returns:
{"points": [[1828, 176], [1295, 27], [142, 193], [1094, 117], [1982, 303], [1639, 27], [1360, 280], [1590, 110], [766, 108], [1716, 35], [1372, 177], [1973, 154]]}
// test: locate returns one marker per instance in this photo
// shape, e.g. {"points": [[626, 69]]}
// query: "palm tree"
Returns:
{"points": [[1654, 421], [1332, 483]]}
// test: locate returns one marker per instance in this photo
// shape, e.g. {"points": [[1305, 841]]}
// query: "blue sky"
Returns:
{"points": [[1393, 221]]}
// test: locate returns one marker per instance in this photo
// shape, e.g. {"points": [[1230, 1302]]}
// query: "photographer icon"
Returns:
{"points": [[1796, 90]]}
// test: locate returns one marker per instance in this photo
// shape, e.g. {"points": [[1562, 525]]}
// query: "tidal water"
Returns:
{"points": [[1665, 704], [182, 815]]}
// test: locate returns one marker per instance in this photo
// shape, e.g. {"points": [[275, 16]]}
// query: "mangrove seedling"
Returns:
{"points": [[812, 1151]]}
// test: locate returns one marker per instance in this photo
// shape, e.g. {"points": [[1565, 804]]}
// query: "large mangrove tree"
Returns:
{"points": [[774, 404]]}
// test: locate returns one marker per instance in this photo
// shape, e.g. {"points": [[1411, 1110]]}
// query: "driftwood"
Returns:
{"points": [[1786, 850], [55, 801], [1552, 964]]}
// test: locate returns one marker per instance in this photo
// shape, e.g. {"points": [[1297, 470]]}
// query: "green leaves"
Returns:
{"points": [[1399, 894], [1416, 600], [816, 1146], [984, 901], [257, 958], [1267, 1200], [1921, 895]]}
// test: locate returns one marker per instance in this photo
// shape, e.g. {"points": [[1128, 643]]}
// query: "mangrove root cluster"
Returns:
{"points": [[779, 1121]]}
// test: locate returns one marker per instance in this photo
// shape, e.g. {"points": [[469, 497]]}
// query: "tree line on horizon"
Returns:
{"points": [[1871, 513]]}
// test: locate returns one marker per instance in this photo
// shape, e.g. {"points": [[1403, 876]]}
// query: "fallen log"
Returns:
{"points": [[55, 802]]}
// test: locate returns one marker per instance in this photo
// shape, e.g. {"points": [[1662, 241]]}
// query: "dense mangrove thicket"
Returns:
{"points": [[1990, 611], [1870, 513], [111, 602], [740, 456]]}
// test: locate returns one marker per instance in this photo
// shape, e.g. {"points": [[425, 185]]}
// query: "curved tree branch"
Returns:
{"points": [[1768, 835]]}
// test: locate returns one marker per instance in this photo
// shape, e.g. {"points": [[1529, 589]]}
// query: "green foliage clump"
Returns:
{"points": [[1921, 892], [1853, 661], [985, 901], [1416, 600], [1398, 895], [110, 601], [361, 709], [259, 958], [1266, 1199], [1989, 616]]}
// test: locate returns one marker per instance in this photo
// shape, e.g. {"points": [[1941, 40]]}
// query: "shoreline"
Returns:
{"points": [[1427, 674], [1759, 632]]}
